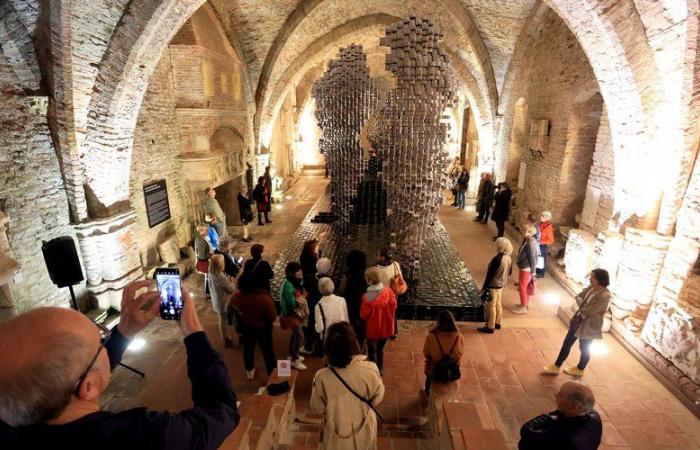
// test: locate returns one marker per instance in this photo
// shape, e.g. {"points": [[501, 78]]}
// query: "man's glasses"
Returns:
{"points": [[102, 330]]}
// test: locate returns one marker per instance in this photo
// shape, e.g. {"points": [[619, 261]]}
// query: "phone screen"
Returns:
{"points": [[239, 261], [168, 281]]}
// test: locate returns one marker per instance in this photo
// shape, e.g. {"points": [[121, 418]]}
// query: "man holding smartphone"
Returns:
{"points": [[50, 391]]}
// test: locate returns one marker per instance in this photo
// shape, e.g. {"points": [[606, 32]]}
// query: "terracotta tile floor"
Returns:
{"points": [[501, 372]]}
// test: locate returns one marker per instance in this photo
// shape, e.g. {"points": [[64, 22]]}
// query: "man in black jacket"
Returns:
{"points": [[573, 426], [50, 391]]}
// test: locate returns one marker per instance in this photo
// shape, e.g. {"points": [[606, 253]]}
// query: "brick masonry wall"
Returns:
{"points": [[155, 157], [31, 190], [603, 175], [557, 83]]}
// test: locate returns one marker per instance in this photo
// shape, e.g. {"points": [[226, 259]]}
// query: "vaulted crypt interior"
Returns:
{"points": [[586, 108]]}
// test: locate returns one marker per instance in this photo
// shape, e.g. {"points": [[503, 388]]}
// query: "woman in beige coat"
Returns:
{"points": [[348, 422], [587, 323]]}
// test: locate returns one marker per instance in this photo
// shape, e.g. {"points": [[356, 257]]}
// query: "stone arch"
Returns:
{"points": [[227, 139], [131, 57], [458, 11], [361, 26]]}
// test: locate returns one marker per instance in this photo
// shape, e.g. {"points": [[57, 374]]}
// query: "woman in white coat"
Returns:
{"points": [[346, 392]]}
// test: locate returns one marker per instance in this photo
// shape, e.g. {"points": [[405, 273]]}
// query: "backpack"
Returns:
{"points": [[447, 368]]}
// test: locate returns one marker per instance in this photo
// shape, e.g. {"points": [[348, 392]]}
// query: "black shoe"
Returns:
{"points": [[494, 239], [268, 221], [498, 326], [393, 338], [478, 219], [260, 223], [486, 330]]}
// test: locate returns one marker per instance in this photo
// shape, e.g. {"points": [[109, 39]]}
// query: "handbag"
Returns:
{"points": [[540, 262], [531, 287], [576, 321], [359, 397], [485, 295], [289, 322], [398, 284], [202, 266]]}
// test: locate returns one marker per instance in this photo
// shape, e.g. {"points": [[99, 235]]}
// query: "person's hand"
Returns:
{"points": [[189, 320], [137, 312]]}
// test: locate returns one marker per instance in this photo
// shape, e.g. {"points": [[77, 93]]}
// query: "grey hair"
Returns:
{"points": [[326, 286], [582, 399], [529, 230], [324, 266], [40, 391], [547, 215], [503, 245]]}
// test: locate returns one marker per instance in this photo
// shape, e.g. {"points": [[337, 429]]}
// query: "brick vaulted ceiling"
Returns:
{"points": [[274, 33]]}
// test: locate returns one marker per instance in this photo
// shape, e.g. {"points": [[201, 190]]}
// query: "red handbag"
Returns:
{"points": [[531, 287], [397, 283], [202, 266]]}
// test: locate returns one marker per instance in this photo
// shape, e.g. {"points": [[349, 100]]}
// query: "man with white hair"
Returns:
{"points": [[573, 426], [312, 344], [50, 390], [330, 309]]}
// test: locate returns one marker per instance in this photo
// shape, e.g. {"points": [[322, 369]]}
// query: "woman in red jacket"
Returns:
{"points": [[377, 310], [546, 239]]}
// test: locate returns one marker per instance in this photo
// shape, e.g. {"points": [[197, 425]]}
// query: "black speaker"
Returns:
{"points": [[62, 261]]}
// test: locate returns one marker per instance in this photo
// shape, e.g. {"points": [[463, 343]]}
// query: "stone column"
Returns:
{"points": [[110, 256], [637, 275], [8, 265]]}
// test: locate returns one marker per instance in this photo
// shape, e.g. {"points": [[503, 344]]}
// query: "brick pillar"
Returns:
{"points": [[110, 256]]}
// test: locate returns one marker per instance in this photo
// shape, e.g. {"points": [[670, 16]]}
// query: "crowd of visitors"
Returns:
{"points": [[349, 327]]}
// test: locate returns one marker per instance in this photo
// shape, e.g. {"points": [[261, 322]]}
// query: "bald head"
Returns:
{"points": [[575, 399], [42, 354]]}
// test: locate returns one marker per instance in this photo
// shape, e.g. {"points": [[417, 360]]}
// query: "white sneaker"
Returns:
{"points": [[304, 351], [520, 310], [250, 374], [296, 364]]}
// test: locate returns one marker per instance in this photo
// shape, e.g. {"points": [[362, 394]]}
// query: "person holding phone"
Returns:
{"points": [[66, 368]]}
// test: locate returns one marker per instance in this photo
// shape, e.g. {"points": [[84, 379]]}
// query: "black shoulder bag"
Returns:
{"points": [[359, 397]]}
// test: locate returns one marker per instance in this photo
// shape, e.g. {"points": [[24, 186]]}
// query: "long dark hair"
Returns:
{"points": [[445, 323], [308, 248], [340, 344], [290, 269]]}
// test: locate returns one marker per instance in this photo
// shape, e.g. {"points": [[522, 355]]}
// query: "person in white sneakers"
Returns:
{"points": [[330, 309]]}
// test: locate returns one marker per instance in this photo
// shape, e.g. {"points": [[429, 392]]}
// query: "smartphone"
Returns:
{"points": [[239, 260], [168, 282]]}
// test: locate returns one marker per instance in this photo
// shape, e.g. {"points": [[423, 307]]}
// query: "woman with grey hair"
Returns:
{"points": [[497, 275], [330, 309], [527, 264]]}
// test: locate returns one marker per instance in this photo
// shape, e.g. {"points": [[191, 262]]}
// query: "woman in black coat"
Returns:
{"points": [[501, 207]]}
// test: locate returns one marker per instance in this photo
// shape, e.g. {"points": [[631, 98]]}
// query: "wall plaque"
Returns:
{"points": [[590, 206], [521, 175], [157, 207]]}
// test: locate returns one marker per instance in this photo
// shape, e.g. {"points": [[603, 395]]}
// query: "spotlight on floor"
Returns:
{"points": [[551, 298], [598, 348], [137, 345], [289, 197], [278, 206]]}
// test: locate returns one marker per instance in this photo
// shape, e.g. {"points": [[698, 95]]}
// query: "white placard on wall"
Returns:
{"points": [[521, 175], [590, 206]]}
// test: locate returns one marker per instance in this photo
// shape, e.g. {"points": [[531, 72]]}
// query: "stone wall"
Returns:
{"points": [[602, 177], [156, 148], [32, 193], [282, 141], [557, 84]]}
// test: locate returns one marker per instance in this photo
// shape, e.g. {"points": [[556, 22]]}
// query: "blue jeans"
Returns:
{"points": [[569, 340], [460, 199]]}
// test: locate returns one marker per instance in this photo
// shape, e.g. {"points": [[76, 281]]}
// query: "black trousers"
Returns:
{"points": [[500, 226], [375, 351], [260, 214], [484, 211], [262, 336], [569, 340]]}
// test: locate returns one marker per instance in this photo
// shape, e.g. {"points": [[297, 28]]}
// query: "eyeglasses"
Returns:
{"points": [[76, 389]]}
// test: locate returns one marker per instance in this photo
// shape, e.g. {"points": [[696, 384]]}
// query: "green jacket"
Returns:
{"points": [[287, 300]]}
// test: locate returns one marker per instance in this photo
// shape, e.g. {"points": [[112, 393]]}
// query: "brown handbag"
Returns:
{"points": [[398, 284]]}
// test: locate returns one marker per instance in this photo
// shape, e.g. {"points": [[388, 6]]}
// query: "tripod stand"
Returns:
{"points": [[105, 331]]}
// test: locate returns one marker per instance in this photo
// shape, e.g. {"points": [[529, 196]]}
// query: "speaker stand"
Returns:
{"points": [[74, 305]]}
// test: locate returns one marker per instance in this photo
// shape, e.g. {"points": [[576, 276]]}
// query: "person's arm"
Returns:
{"points": [[226, 285], [116, 346], [426, 347], [364, 308], [532, 257], [581, 295], [459, 347], [270, 312], [319, 319], [288, 299], [317, 403], [344, 311], [597, 305], [541, 432], [491, 272], [377, 396], [267, 270]]}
